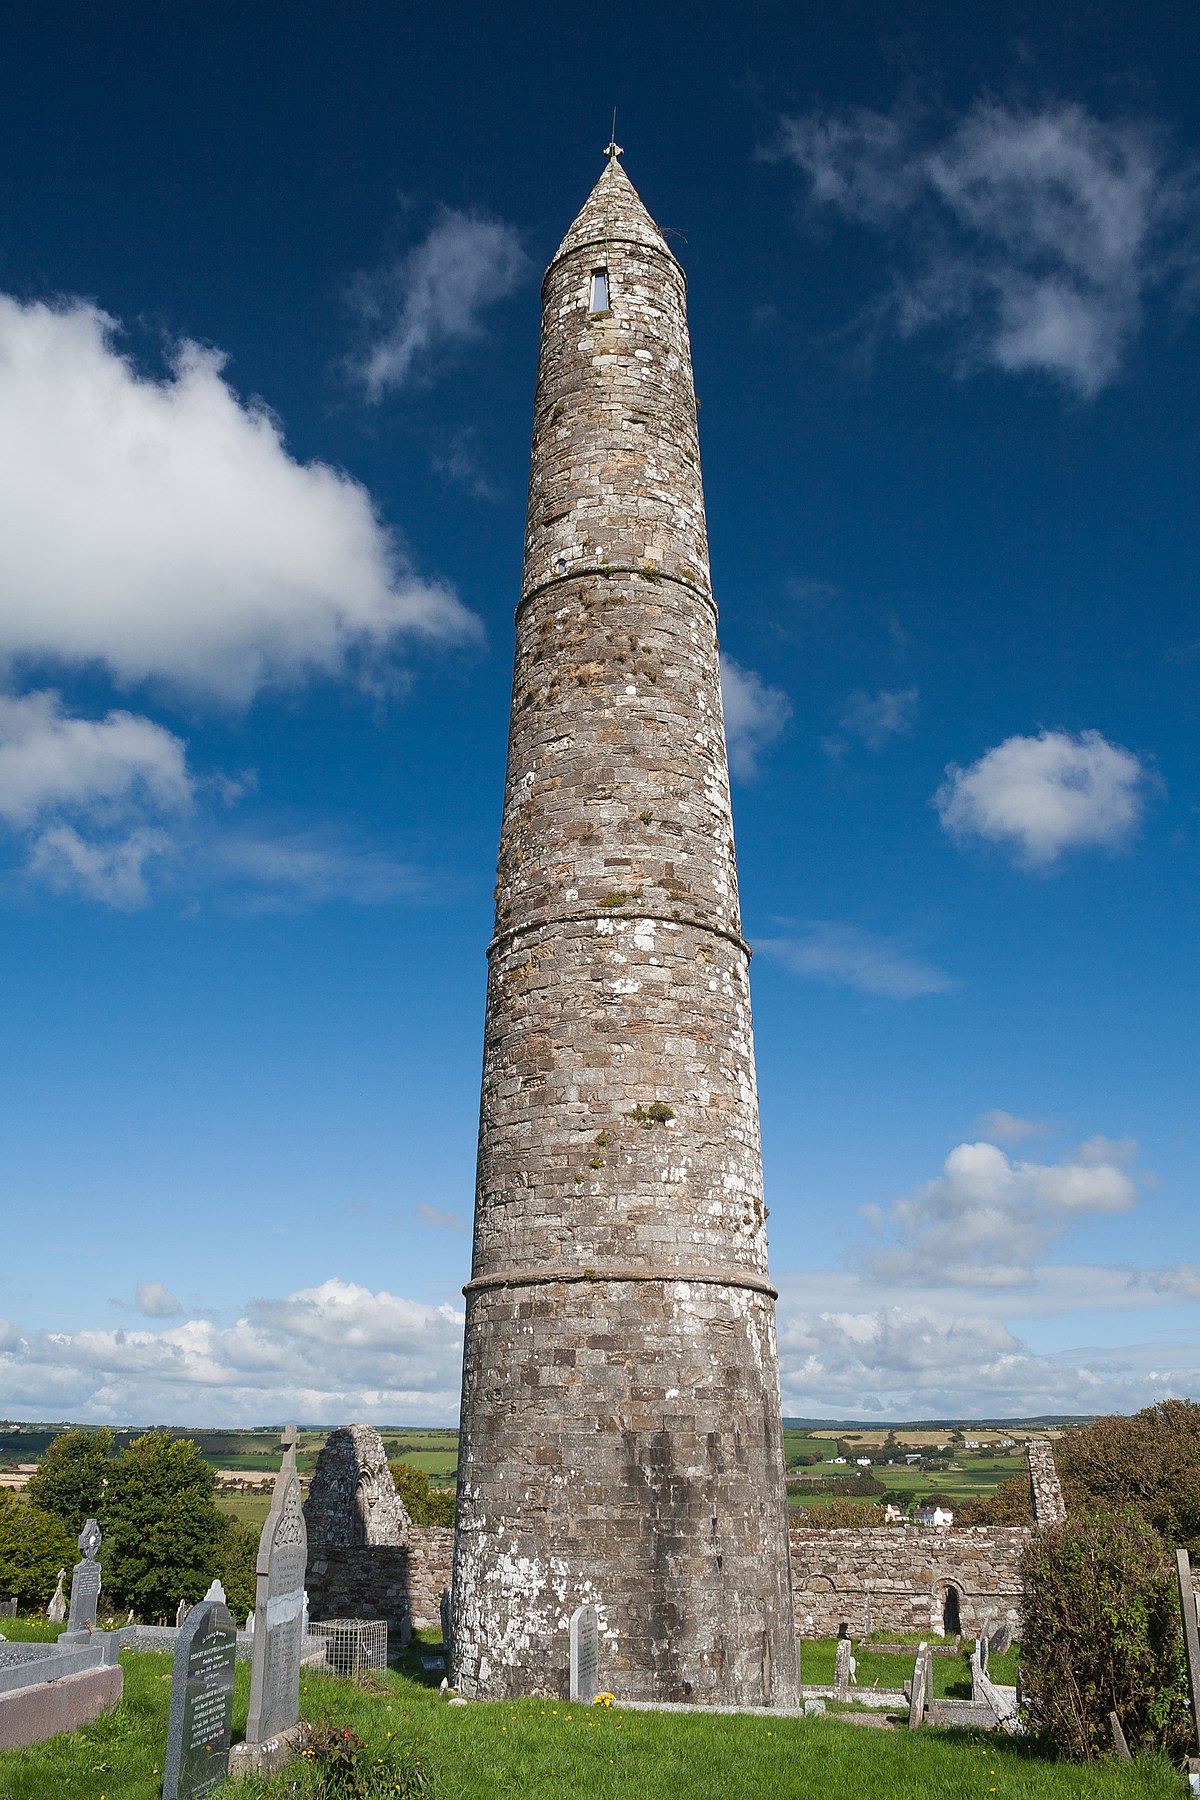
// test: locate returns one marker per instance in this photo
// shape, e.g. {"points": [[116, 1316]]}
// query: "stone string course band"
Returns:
{"points": [[621, 1441], [535, 1278]]}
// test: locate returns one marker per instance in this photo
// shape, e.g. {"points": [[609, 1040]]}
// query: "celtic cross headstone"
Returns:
{"points": [[85, 1582], [279, 1606]]}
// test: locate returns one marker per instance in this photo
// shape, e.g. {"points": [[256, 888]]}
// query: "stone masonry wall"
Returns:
{"points": [[621, 1439], [1045, 1489], [384, 1581], [895, 1577]]}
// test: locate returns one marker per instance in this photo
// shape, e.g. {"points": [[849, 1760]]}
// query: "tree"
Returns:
{"points": [[34, 1546], [425, 1505], [164, 1534], [1150, 1461], [1100, 1634], [238, 1556], [1008, 1505], [72, 1476]]}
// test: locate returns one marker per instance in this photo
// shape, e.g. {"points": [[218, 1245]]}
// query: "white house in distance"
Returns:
{"points": [[934, 1515]]}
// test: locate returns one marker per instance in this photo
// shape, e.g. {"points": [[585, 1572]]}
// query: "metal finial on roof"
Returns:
{"points": [[612, 149]]}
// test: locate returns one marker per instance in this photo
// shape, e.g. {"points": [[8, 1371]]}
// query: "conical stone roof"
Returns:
{"points": [[612, 212]]}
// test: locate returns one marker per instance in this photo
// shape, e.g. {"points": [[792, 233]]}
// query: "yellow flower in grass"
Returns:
{"points": [[604, 1700]]}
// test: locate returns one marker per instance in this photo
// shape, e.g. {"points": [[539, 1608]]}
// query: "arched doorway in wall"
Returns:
{"points": [[951, 1611]]}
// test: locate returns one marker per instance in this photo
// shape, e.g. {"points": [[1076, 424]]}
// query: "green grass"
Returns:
{"points": [[549, 1750]]}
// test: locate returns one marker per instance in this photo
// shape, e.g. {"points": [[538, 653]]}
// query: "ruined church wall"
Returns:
{"points": [[382, 1581], [894, 1578]]}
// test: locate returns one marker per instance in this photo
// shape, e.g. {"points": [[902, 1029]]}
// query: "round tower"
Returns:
{"points": [[621, 1438]]}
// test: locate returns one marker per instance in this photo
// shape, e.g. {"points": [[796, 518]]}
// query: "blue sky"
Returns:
{"points": [[268, 327]]}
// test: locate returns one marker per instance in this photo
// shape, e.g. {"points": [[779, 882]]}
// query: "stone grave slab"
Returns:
{"points": [[85, 1582], [201, 1719], [279, 1607], [585, 1655]]}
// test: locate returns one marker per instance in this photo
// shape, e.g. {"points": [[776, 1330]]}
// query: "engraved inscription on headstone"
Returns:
{"points": [[279, 1607], [585, 1654], [201, 1722], [85, 1581]]}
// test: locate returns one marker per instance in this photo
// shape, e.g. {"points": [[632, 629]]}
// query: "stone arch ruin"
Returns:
{"points": [[366, 1558]]}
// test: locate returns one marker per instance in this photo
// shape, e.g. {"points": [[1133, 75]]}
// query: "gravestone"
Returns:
{"points": [[201, 1720], [585, 1655], [842, 1667], [1000, 1641], [279, 1607], [181, 1613], [85, 1582], [56, 1612], [920, 1681]]}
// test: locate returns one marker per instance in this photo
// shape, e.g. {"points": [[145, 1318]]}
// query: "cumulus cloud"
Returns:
{"points": [[156, 1302], [986, 1219], [1035, 235], [931, 1361], [755, 715], [79, 795], [434, 297], [872, 719], [827, 950], [161, 528], [1040, 796], [325, 1353]]}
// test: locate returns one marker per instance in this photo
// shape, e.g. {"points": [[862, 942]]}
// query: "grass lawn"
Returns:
{"points": [[549, 1750]]}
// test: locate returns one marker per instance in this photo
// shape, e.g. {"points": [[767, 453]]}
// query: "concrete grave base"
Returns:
{"points": [[29, 1715], [272, 1754]]}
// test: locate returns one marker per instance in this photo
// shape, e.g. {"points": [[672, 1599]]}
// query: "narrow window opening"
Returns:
{"points": [[599, 301]]}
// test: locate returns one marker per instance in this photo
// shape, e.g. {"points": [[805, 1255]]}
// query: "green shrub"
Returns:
{"points": [[856, 1514], [424, 1504], [346, 1768], [1009, 1505], [72, 1477], [1101, 1634], [1150, 1461], [34, 1546]]}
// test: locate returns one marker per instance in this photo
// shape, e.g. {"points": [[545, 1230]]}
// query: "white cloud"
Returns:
{"points": [[52, 762], [156, 1301], [986, 1219], [1046, 794], [827, 950], [161, 528], [1009, 1128], [435, 296], [1034, 234], [874, 718], [755, 715], [80, 795], [329, 1353], [931, 1361]]}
